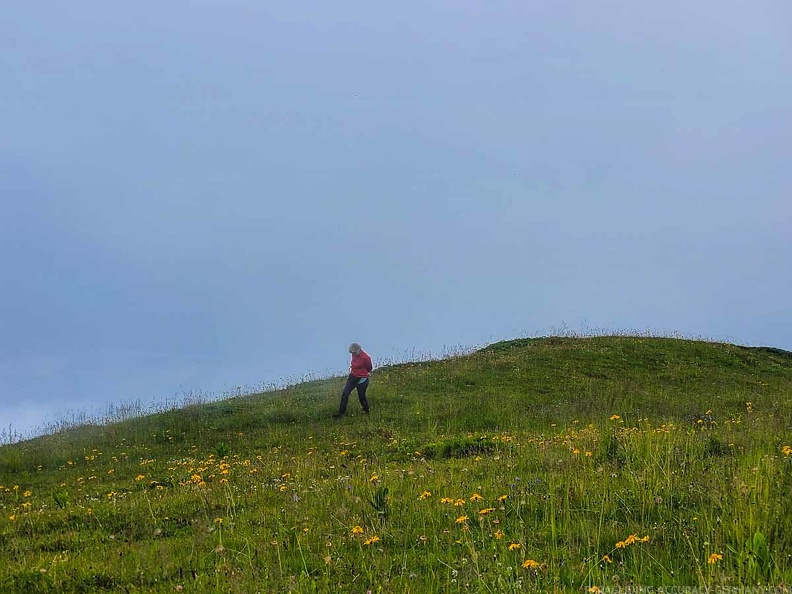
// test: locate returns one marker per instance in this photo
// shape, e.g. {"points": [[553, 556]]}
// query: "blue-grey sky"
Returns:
{"points": [[202, 195]]}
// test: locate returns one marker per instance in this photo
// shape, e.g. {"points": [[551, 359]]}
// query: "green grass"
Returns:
{"points": [[523, 467]]}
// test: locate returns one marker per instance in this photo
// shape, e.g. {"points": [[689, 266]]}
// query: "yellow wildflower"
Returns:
{"points": [[786, 450], [371, 540], [425, 495], [607, 558], [218, 520], [476, 497], [632, 539], [461, 519], [459, 503], [594, 590], [498, 534], [486, 510], [502, 498], [714, 558], [531, 564], [140, 477], [357, 530], [615, 417], [515, 546], [374, 478], [446, 500]]}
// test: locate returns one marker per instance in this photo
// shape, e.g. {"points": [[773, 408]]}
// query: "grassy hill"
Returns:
{"points": [[553, 464]]}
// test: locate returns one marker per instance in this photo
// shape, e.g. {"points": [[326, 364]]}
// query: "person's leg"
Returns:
{"points": [[361, 390], [350, 385]]}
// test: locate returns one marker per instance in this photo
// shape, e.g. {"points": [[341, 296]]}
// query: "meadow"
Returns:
{"points": [[576, 464]]}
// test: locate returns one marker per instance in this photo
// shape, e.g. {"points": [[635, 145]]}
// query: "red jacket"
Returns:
{"points": [[361, 364]]}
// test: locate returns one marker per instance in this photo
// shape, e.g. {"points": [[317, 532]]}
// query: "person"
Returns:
{"points": [[359, 378]]}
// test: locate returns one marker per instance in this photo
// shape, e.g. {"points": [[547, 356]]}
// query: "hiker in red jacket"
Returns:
{"points": [[359, 377]]}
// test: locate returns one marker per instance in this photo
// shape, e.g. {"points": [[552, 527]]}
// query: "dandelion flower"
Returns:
{"points": [[515, 546], [531, 564], [607, 558], [374, 478], [140, 477], [786, 450], [615, 417], [372, 540], [498, 534], [461, 519], [714, 558], [425, 495], [486, 510], [459, 503], [502, 498], [594, 590], [218, 520], [446, 500], [26, 494], [357, 530], [476, 497], [630, 540]]}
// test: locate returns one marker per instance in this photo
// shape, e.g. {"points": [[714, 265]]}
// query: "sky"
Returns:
{"points": [[197, 197]]}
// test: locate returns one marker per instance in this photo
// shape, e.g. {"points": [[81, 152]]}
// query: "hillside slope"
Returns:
{"points": [[623, 434]]}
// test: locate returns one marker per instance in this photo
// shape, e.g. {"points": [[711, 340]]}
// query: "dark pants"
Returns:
{"points": [[352, 384]]}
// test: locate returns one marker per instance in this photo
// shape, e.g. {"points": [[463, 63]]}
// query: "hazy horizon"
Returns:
{"points": [[201, 197]]}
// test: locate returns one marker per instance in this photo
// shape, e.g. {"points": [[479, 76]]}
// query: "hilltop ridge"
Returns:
{"points": [[540, 464]]}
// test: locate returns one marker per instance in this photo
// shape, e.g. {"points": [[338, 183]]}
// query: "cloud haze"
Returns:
{"points": [[209, 195]]}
